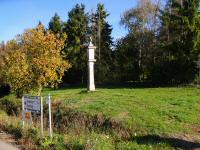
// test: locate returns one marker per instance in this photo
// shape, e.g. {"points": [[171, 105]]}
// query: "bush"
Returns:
{"points": [[15, 130], [33, 134], [57, 143], [11, 106], [76, 145]]}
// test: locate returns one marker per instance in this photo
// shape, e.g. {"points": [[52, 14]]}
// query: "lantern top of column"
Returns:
{"points": [[91, 46]]}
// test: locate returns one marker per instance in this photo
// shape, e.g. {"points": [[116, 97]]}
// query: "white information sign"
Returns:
{"points": [[32, 103]]}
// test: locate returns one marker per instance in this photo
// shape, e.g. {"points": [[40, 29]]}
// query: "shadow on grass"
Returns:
{"points": [[173, 142], [83, 92], [139, 85], [126, 85]]}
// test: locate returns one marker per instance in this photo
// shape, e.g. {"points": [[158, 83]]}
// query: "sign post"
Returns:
{"points": [[50, 124], [22, 111], [42, 132]]}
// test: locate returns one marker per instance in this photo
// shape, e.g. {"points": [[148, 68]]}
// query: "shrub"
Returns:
{"points": [[76, 145], [33, 134], [11, 106], [57, 143], [15, 130]]}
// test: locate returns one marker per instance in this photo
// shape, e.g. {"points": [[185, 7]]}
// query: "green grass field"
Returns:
{"points": [[159, 118], [151, 110], [171, 112]]}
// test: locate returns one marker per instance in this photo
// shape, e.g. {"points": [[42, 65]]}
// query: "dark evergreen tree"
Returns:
{"points": [[75, 50], [40, 23], [56, 24], [101, 33], [126, 57], [180, 39]]}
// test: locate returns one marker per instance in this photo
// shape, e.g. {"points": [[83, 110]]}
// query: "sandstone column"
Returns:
{"points": [[91, 60]]}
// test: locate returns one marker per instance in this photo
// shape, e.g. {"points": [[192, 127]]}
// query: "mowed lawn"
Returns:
{"points": [[147, 111]]}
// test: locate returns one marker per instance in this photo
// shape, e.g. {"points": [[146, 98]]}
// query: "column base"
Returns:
{"points": [[91, 88]]}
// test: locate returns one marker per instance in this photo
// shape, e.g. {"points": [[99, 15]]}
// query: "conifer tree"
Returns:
{"points": [[181, 22], [101, 33], [55, 24], [75, 50]]}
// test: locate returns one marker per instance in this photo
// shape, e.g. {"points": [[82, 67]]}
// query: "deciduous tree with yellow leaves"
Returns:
{"points": [[36, 62]]}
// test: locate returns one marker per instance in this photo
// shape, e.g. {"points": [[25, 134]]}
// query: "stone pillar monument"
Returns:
{"points": [[91, 60]]}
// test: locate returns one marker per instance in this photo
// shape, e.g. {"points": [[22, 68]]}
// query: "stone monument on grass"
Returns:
{"points": [[91, 60]]}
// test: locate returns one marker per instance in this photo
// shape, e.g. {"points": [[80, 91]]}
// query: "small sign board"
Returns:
{"points": [[27, 116], [32, 103]]}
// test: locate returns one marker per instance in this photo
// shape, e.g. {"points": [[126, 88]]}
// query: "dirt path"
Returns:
{"points": [[7, 142], [5, 146]]}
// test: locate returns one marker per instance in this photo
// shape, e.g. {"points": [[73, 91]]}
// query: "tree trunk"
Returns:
{"points": [[39, 90]]}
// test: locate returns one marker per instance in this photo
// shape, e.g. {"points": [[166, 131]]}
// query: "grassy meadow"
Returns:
{"points": [[172, 112], [158, 118], [150, 110]]}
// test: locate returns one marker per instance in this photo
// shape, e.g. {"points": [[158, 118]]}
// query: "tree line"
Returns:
{"points": [[79, 27], [161, 47]]}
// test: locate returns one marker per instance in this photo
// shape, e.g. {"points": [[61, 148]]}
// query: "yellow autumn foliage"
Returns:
{"points": [[14, 70], [36, 62]]}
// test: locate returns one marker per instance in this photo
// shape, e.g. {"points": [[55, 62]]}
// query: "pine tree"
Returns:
{"points": [[55, 24], [101, 33], [181, 22], [75, 50]]}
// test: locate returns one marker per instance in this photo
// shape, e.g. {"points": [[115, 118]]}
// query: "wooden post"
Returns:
{"points": [[42, 132], [23, 111], [50, 125]]}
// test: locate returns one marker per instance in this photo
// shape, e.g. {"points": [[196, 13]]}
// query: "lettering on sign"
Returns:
{"points": [[32, 103]]}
